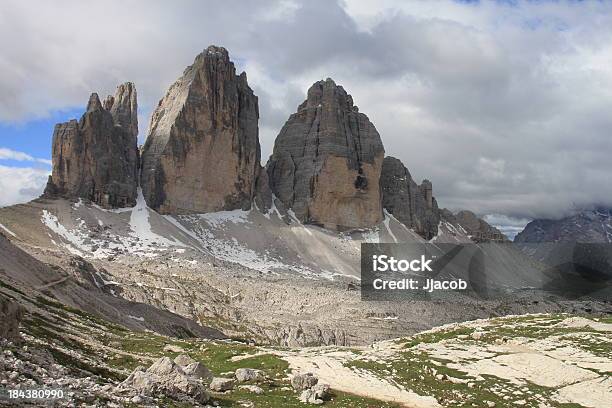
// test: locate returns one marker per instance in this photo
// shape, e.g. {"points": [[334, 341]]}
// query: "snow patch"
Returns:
{"points": [[230, 249], [141, 228], [386, 222], [218, 219]]}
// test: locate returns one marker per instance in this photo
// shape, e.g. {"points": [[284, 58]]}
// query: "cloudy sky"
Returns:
{"points": [[506, 106]]}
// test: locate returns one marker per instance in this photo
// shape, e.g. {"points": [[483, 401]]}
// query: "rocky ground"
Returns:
{"points": [[246, 273], [110, 300], [532, 360]]}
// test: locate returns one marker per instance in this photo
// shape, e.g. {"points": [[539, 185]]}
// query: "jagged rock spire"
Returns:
{"points": [[97, 157], [411, 204], [202, 153]]}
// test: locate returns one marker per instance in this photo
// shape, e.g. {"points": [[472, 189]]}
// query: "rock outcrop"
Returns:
{"points": [[11, 314], [410, 203], [202, 153], [327, 161], [96, 158], [587, 226], [476, 228]]}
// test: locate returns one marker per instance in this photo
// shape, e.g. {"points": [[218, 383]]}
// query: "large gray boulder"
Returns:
{"points": [[315, 395], [327, 161], [165, 377], [410, 203], [220, 384], [202, 153], [96, 158], [303, 381], [193, 368], [249, 374]]}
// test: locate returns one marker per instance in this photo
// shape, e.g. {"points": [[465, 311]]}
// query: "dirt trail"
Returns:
{"points": [[51, 284], [329, 367]]}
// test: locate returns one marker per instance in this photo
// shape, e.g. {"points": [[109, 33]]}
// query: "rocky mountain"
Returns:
{"points": [[466, 227], [477, 228], [327, 162], [96, 158], [202, 153], [410, 203], [588, 226]]}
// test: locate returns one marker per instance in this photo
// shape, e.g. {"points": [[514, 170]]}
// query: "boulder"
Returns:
{"points": [[164, 377], [249, 374], [193, 368], [222, 384], [327, 162], [183, 360], [202, 153], [303, 381], [315, 395], [171, 348], [97, 157], [411, 204], [252, 388], [11, 314], [199, 371]]}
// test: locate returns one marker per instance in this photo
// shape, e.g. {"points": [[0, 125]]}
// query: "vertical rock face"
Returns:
{"points": [[327, 162], [202, 153], [11, 314], [412, 204], [96, 158]]}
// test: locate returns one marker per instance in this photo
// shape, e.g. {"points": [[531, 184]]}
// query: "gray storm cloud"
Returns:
{"points": [[506, 108]]}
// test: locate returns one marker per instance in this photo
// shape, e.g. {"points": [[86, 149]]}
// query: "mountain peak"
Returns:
{"points": [[327, 161], [202, 153]]}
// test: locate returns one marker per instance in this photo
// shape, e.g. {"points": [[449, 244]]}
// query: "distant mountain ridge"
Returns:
{"points": [[589, 226]]}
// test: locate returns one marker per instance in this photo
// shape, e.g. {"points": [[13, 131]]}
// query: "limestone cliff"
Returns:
{"points": [[327, 161], [96, 158], [412, 204], [202, 153]]}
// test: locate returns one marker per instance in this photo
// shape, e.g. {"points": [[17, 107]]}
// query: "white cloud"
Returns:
{"points": [[525, 87], [8, 154], [19, 184]]}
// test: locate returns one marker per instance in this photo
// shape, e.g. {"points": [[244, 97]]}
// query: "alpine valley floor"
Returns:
{"points": [[107, 291]]}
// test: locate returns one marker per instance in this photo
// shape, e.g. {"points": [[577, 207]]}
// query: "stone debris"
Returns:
{"points": [[164, 377]]}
